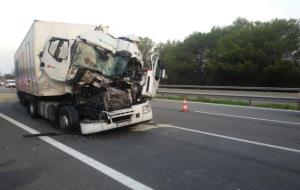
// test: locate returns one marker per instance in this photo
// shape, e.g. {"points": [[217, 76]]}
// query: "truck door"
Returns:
{"points": [[154, 74], [55, 59]]}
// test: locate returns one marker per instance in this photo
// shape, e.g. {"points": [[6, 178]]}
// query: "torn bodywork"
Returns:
{"points": [[103, 82]]}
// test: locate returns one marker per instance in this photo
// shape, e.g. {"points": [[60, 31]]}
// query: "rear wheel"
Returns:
{"points": [[32, 108], [68, 117]]}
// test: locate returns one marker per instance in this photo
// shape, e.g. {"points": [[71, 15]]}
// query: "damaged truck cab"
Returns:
{"points": [[88, 79]]}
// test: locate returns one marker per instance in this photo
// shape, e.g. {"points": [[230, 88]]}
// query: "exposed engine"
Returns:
{"points": [[95, 94]]}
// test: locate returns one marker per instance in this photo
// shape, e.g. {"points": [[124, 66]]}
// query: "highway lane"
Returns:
{"points": [[166, 157], [251, 129], [276, 114], [7, 90], [28, 163]]}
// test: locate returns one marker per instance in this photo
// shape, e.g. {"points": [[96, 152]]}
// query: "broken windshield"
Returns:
{"points": [[98, 59]]}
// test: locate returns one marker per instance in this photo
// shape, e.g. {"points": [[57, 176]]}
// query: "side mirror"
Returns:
{"points": [[42, 64], [41, 54]]}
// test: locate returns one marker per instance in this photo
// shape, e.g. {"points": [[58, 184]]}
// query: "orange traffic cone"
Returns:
{"points": [[185, 107]]}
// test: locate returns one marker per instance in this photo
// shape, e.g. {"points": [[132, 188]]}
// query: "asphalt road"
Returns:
{"points": [[210, 147]]}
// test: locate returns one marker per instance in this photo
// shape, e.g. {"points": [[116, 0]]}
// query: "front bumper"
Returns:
{"points": [[136, 114]]}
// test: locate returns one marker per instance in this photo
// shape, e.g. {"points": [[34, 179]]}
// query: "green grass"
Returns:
{"points": [[278, 106], [7, 97], [229, 102]]}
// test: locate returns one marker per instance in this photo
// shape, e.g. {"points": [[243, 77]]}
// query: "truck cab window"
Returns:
{"points": [[157, 74], [59, 49], [91, 57]]}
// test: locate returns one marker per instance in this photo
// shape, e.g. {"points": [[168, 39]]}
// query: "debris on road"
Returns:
{"points": [[148, 126], [42, 134]]}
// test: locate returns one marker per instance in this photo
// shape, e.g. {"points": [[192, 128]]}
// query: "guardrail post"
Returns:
{"points": [[250, 102]]}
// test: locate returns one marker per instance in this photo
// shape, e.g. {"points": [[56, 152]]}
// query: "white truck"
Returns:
{"points": [[81, 76]]}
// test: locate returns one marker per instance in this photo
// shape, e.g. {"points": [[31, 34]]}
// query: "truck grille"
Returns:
{"points": [[122, 118]]}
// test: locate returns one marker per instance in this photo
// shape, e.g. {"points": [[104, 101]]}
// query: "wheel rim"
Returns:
{"points": [[63, 121]]}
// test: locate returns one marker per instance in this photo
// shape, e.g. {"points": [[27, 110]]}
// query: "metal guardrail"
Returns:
{"points": [[236, 88], [232, 96]]}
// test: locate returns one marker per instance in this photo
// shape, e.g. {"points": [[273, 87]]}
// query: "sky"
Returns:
{"points": [[161, 20]]}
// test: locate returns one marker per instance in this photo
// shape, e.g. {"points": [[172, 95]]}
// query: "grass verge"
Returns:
{"points": [[229, 102], [4, 97]]}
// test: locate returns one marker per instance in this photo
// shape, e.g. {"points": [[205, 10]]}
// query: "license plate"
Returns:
{"points": [[122, 124]]}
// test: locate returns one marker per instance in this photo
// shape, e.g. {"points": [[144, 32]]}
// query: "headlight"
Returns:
{"points": [[146, 108]]}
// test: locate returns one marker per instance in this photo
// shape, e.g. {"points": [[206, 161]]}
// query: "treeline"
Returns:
{"points": [[244, 54]]}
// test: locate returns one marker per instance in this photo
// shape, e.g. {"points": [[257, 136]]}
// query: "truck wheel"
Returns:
{"points": [[33, 108], [68, 117], [22, 98]]}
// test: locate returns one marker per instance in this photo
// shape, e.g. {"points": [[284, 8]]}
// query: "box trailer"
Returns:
{"points": [[81, 76]]}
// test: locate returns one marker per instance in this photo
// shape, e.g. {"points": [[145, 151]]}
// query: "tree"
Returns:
{"points": [[146, 46], [9, 76], [248, 51], [243, 53]]}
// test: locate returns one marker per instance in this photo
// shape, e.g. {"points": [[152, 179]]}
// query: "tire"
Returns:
{"points": [[22, 98], [32, 108], [68, 118]]}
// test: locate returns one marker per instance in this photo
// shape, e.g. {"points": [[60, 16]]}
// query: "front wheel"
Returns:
{"points": [[32, 108], [68, 117]]}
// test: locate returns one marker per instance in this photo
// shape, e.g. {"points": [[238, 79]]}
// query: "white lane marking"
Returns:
{"points": [[245, 117], [118, 176], [240, 140], [227, 105]]}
